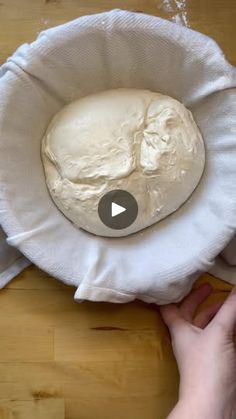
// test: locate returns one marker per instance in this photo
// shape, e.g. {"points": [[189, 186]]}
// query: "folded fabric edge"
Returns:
{"points": [[19, 265], [99, 294]]}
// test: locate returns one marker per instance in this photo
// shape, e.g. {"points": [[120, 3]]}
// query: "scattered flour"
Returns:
{"points": [[180, 4], [181, 19], [167, 6], [42, 25], [177, 9]]}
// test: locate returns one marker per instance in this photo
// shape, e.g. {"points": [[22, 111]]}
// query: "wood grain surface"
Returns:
{"points": [[59, 359]]}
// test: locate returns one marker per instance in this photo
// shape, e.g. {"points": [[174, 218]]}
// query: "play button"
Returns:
{"points": [[118, 209]]}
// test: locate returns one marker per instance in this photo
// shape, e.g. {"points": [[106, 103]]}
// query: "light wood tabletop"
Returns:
{"points": [[60, 359]]}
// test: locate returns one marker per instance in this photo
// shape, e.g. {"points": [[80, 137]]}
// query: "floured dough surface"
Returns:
{"points": [[136, 140]]}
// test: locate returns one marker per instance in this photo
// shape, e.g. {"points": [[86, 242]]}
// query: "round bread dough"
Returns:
{"points": [[139, 141]]}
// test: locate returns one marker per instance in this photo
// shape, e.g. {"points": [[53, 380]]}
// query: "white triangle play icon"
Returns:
{"points": [[116, 209]]}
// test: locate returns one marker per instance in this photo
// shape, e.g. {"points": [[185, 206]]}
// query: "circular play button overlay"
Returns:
{"points": [[118, 209]]}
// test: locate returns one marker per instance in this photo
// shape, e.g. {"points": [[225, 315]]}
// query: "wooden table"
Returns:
{"points": [[59, 359]]}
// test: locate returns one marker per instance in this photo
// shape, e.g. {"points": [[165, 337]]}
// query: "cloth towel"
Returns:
{"points": [[98, 52], [12, 262]]}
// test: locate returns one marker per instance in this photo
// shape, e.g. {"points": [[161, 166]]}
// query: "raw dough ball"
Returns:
{"points": [[143, 142]]}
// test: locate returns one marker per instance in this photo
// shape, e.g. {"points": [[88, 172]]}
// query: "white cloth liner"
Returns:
{"points": [[225, 265], [93, 53], [11, 261]]}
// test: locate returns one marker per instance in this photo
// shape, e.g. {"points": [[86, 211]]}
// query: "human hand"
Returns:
{"points": [[205, 353]]}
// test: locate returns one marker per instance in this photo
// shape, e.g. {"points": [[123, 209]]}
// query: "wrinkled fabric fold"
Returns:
{"points": [[12, 262]]}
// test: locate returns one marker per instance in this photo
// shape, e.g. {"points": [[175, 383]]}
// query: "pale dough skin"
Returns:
{"points": [[143, 142]]}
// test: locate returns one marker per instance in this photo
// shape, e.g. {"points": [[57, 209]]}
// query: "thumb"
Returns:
{"points": [[226, 316], [172, 317]]}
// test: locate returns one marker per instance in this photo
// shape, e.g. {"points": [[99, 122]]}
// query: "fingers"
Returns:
{"points": [[171, 316], [174, 315], [204, 317], [226, 316], [190, 304]]}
